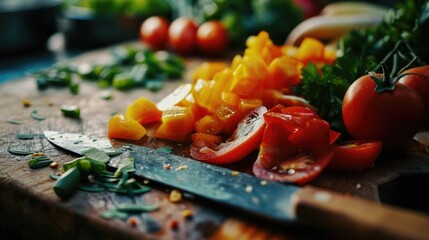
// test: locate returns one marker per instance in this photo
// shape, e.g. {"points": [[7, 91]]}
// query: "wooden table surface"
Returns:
{"points": [[29, 208]]}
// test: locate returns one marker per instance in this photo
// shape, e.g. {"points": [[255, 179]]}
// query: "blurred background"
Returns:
{"points": [[37, 33]]}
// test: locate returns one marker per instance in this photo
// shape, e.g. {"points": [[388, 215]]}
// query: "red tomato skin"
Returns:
{"points": [[295, 146], [182, 35], [355, 155], [420, 84], [238, 146], [154, 32], [212, 38], [393, 117]]}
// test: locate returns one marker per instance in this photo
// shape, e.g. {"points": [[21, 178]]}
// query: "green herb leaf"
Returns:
{"points": [[97, 155], [36, 116]]}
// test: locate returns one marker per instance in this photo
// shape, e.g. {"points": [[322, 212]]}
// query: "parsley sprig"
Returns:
{"points": [[362, 51]]}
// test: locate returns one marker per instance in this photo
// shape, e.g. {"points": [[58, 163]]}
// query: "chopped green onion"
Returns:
{"points": [[25, 136], [39, 163], [14, 121], [74, 88], [19, 152], [164, 149], [114, 214], [67, 182], [123, 81], [106, 95], [54, 176], [154, 85], [36, 116], [130, 208], [70, 111], [88, 188]]}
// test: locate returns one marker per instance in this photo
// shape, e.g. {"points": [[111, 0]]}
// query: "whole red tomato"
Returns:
{"points": [[182, 35], [154, 32], [212, 38], [393, 114], [418, 79]]}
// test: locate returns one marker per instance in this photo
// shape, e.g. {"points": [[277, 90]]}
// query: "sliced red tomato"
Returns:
{"points": [[243, 141], [355, 155], [299, 169], [295, 146]]}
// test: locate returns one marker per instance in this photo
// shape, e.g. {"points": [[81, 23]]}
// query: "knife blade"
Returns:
{"points": [[280, 203]]}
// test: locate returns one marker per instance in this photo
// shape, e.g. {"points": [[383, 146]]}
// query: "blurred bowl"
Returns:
{"points": [[83, 28], [26, 24]]}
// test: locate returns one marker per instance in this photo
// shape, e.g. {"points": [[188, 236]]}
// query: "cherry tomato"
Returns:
{"points": [[355, 155], [295, 146], [392, 116], [244, 140], [182, 35], [420, 84], [154, 32], [212, 38]]}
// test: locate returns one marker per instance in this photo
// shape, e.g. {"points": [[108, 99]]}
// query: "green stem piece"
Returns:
{"points": [[67, 182]]}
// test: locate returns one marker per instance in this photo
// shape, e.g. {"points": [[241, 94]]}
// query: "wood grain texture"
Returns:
{"points": [[358, 218], [29, 207]]}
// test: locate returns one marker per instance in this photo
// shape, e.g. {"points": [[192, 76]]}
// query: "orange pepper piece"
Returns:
{"points": [[177, 124], [204, 138], [209, 124], [207, 70], [311, 50], [283, 73], [247, 105], [144, 111], [123, 127]]}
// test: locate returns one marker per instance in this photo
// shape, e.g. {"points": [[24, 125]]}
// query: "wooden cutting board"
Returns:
{"points": [[29, 207]]}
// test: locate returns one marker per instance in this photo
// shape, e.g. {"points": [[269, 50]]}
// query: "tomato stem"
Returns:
{"points": [[385, 82]]}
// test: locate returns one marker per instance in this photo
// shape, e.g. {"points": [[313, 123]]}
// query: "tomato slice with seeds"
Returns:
{"points": [[295, 146], [299, 169], [355, 155], [243, 141]]}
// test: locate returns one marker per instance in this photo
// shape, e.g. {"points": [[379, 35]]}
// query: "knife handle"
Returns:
{"points": [[356, 218]]}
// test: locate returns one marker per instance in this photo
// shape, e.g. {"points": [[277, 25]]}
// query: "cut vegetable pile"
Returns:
{"points": [[282, 100]]}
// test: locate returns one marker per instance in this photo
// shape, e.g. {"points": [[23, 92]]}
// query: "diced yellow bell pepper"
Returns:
{"points": [[123, 127], [177, 124]]}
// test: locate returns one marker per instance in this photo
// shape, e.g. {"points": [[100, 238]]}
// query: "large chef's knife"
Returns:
{"points": [[280, 203]]}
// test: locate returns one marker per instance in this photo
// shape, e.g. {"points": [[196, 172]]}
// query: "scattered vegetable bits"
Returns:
{"points": [[175, 196]]}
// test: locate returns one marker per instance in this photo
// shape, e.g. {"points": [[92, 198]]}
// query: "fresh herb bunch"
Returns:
{"points": [[362, 51]]}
